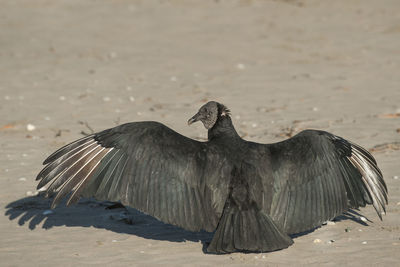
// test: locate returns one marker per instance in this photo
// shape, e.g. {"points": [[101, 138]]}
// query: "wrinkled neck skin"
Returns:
{"points": [[223, 128]]}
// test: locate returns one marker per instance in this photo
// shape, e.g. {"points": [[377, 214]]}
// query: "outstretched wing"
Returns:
{"points": [[147, 166], [318, 176]]}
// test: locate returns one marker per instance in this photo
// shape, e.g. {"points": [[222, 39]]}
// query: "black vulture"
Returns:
{"points": [[254, 196]]}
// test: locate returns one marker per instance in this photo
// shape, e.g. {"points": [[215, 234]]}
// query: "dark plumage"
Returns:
{"points": [[253, 195]]}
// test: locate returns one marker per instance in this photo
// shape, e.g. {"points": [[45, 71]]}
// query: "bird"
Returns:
{"points": [[252, 196]]}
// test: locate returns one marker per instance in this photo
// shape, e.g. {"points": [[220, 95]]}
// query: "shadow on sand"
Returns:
{"points": [[90, 213], [105, 215]]}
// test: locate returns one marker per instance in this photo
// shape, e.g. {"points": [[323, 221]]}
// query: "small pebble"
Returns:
{"points": [[132, 99], [106, 99], [173, 79], [263, 257], [317, 241], [315, 109], [360, 230], [364, 242], [398, 203], [114, 241], [128, 88], [7, 97], [113, 54], [47, 212], [237, 117], [62, 98], [331, 241], [240, 66], [141, 251], [30, 127], [396, 177], [254, 125], [363, 219], [330, 223], [23, 179], [47, 118], [139, 113]]}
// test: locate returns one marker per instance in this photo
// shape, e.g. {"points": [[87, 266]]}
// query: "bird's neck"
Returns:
{"points": [[223, 128]]}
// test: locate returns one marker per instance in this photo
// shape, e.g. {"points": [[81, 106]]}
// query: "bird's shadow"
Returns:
{"points": [[34, 211]]}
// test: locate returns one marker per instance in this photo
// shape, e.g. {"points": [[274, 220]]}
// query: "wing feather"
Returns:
{"points": [[102, 190], [68, 149], [71, 179], [63, 162], [318, 176], [145, 165], [75, 195]]}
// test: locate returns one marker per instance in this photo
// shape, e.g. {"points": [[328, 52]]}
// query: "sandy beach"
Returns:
{"points": [[68, 68]]}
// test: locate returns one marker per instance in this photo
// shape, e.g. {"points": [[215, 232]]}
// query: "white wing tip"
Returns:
{"points": [[371, 177]]}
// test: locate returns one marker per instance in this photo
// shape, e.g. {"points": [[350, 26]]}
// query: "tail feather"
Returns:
{"points": [[247, 230]]}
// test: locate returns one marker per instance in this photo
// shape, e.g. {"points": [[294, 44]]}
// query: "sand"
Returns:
{"points": [[68, 67]]}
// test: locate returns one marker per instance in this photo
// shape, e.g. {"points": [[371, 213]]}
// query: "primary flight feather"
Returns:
{"points": [[252, 195]]}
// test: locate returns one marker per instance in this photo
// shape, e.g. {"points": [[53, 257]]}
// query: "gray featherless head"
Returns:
{"points": [[209, 113]]}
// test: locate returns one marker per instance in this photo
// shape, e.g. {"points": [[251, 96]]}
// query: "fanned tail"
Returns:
{"points": [[247, 230]]}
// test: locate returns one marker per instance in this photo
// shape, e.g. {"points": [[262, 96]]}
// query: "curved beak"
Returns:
{"points": [[193, 119]]}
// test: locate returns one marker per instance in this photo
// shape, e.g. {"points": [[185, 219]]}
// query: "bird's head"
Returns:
{"points": [[209, 113]]}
